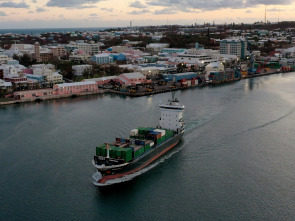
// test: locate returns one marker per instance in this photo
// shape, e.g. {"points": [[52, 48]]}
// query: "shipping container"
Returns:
{"points": [[134, 132], [126, 154], [163, 132]]}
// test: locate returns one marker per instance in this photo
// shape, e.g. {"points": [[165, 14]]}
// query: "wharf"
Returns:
{"points": [[51, 97], [141, 92]]}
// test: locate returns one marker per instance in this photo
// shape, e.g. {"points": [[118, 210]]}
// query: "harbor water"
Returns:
{"points": [[236, 160]]}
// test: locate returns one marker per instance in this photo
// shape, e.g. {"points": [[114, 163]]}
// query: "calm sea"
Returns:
{"points": [[47, 30], [235, 162]]}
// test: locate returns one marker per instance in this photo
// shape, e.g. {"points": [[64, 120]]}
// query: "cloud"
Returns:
{"points": [[93, 15], [137, 4], [14, 5], [249, 11], [164, 11], [72, 3], [31, 12], [3, 14], [34, 1], [107, 9], [41, 10], [205, 5], [275, 10], [144, 11]]}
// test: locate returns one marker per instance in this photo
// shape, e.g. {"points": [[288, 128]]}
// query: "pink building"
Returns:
{"points": [[132, 78], [75, 88], [24, 95]]}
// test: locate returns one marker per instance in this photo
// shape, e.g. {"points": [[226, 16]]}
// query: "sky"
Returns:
{"points": [[119, 13]]}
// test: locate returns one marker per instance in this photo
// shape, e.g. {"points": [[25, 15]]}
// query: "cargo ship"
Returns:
{"points": [[145, 145]]}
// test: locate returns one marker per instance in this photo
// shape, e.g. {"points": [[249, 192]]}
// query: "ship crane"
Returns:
{"points": [[262, 66]]}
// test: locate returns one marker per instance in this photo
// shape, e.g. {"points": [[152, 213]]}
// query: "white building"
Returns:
{"points": [[90, 49], [54, 77], [235, 46], [5, 85], [151, 71], [79, 69], [194, 59], [3, 59]]}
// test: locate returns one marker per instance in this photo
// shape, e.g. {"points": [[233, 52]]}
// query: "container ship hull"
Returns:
{"points": [[137, 164]]}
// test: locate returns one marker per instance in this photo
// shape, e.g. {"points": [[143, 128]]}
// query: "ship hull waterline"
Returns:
{"points": [[144, 162]]}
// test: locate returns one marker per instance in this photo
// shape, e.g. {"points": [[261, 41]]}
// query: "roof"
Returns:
{"points": [[186, 73], [76, 84], [101, 79], [133, 75], [102, 55]]}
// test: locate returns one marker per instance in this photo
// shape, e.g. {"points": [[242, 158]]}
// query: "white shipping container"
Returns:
{"points": [[134, 132], [189, 83], [163, 132], [152, 144]]}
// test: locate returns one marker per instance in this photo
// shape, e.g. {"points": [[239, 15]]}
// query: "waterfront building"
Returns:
{"points": [[149, 71], [103, 80], [132, 78], [180, 76], [214, 67], [201, 59], [33, 94], [75, 88], [103, 58], [235, 46]]}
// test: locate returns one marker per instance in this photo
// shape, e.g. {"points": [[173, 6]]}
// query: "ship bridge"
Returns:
{"points": [[171, 115]]}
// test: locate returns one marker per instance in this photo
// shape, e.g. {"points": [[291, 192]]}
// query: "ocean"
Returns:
{"points": [[33, 31], [235, 162]]}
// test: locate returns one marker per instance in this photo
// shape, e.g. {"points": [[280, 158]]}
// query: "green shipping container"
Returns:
{"points": [[147, 147], [126, 154]]}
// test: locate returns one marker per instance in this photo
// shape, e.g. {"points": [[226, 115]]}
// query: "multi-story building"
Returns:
{"points": [[75, 88], [3, 58], [90, 49], [58, 51], [54, 78], [194, 59], [236, 47], [79, 69], [102, 58]]}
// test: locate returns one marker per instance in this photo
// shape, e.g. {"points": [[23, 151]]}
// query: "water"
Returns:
{"points": [[236, 161], [47, 30]]}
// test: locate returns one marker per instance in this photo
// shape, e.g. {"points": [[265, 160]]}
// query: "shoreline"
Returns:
{"points": [[102, 91]]}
